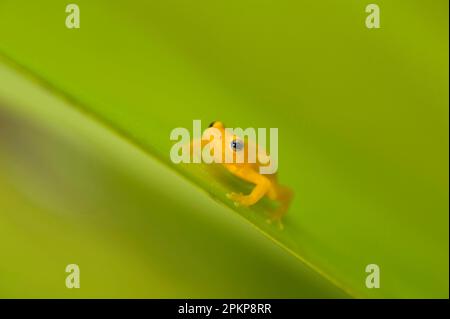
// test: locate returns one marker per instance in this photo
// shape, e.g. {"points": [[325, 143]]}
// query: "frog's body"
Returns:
{"points": [[265, 185]]}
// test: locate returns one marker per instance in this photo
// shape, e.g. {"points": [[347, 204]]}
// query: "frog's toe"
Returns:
{"points": [[235, 197], [239, 199], [276, 220]]}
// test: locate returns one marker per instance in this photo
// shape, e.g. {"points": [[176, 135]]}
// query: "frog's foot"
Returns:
{"points": [[240, 200], [276, 219]]}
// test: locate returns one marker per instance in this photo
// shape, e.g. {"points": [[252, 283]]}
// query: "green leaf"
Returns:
{"points": [[363, 122], [74, 191]]}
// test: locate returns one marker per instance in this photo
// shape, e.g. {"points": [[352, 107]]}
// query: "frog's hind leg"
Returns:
{"points": [[283, 195]]}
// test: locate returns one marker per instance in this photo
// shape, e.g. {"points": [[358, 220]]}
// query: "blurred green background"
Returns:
{"points": [[85, 174]]}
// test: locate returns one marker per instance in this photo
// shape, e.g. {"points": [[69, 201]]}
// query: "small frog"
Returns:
{"points": [[265, 184]]}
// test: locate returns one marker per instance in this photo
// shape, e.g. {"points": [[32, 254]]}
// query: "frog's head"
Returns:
{"points": [[226, 138], [219, 132], [236, 143], [217, 124]]}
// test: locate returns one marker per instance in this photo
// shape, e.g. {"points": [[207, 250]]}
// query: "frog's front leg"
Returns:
{"points": [[262, 186]]}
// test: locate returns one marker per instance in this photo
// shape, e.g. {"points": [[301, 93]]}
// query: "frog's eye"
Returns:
{"points": [[237, 145]]}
